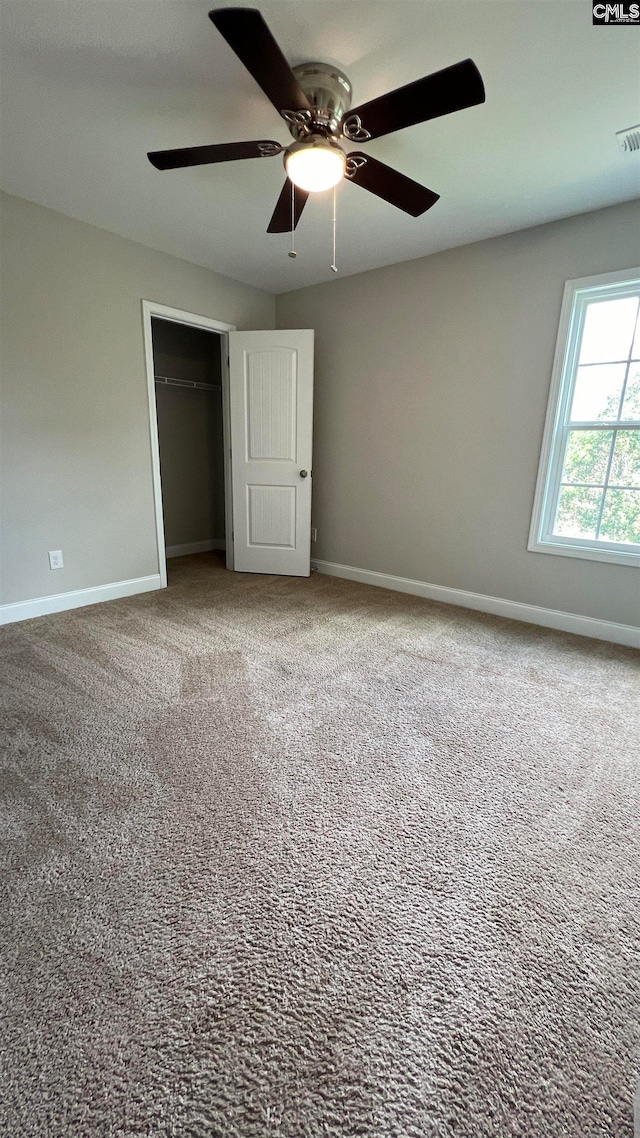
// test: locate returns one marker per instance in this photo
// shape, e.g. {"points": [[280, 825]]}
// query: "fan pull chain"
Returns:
{"points": [[334, 267], [292, 251]]}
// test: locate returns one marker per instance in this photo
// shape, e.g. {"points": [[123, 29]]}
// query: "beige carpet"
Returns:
{"points": [[305, 859]]}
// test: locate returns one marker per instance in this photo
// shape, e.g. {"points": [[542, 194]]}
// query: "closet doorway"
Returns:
{"points": [[187, 373]]}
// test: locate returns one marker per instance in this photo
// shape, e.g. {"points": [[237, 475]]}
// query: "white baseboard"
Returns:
{"points": [[195, 547], [60, 602], [514, 610]]}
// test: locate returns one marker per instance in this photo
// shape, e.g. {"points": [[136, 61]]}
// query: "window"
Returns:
{"points": [[587, 501]]}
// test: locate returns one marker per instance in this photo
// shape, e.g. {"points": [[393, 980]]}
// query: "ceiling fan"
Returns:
{"points": [[314, 99]]}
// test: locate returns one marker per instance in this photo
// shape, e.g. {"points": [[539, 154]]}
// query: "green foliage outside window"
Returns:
{"points": [[613, 475]]}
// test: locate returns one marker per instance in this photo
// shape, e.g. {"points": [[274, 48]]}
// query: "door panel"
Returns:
{"points": [[272, 516], [271, 406], [271, 396]]}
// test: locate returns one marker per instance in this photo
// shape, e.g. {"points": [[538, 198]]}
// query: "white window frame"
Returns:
{"points": [[577, 294]]}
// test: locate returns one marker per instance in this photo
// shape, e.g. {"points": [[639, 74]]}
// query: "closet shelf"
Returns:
{"points": [[173, 382]]}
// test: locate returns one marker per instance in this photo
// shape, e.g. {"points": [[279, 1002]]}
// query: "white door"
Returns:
{"points": [[270, 412]]}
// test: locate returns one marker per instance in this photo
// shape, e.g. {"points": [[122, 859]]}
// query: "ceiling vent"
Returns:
{"points": [[629, 139]]}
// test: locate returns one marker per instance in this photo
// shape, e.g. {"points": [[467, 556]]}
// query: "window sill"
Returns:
{"points": [[588, 552]]}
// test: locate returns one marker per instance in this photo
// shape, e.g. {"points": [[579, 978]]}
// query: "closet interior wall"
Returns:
{"points": [[190, 433]]}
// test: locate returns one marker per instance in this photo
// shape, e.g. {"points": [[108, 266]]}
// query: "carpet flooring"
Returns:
{"points": [[289, 858]]}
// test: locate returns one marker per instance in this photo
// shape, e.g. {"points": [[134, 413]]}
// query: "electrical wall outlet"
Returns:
{"points": [[314, 533], [55, 559]]}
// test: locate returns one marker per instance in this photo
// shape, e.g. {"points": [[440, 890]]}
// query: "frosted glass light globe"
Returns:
{"points": [[315, 166]]}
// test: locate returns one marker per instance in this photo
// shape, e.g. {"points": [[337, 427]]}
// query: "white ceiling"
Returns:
{"points": [[88, 86]]}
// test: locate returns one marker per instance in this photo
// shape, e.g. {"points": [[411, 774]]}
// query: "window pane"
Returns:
{"points": [[578, 511], [587, 456], [631, 405], [597, 392], [621, 517], [608, 328], [625, 468], [635, 351]]}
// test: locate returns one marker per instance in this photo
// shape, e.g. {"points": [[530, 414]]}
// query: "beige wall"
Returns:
{"points": [[432, 379], [431, 386], [76, 460], [192, 464]]}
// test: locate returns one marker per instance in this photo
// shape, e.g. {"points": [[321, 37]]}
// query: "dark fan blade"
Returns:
{"points": [[389, 184], [248, 35], [451, 89], [281, 218], [200, 155]]}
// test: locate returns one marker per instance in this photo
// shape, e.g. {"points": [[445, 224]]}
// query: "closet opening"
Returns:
{"points": [[189, 366]]}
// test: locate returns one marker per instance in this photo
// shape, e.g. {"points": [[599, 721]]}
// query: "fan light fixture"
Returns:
{"points": [[315, 164], [314, 99]]}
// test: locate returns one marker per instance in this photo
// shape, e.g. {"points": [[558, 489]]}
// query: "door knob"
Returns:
{"points": [[303, 473]]}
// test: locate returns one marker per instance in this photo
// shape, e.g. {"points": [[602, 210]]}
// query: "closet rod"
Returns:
{"points": [[187, 383]]}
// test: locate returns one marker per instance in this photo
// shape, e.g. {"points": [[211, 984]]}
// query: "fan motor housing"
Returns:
{"points": [[329, 92]]}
